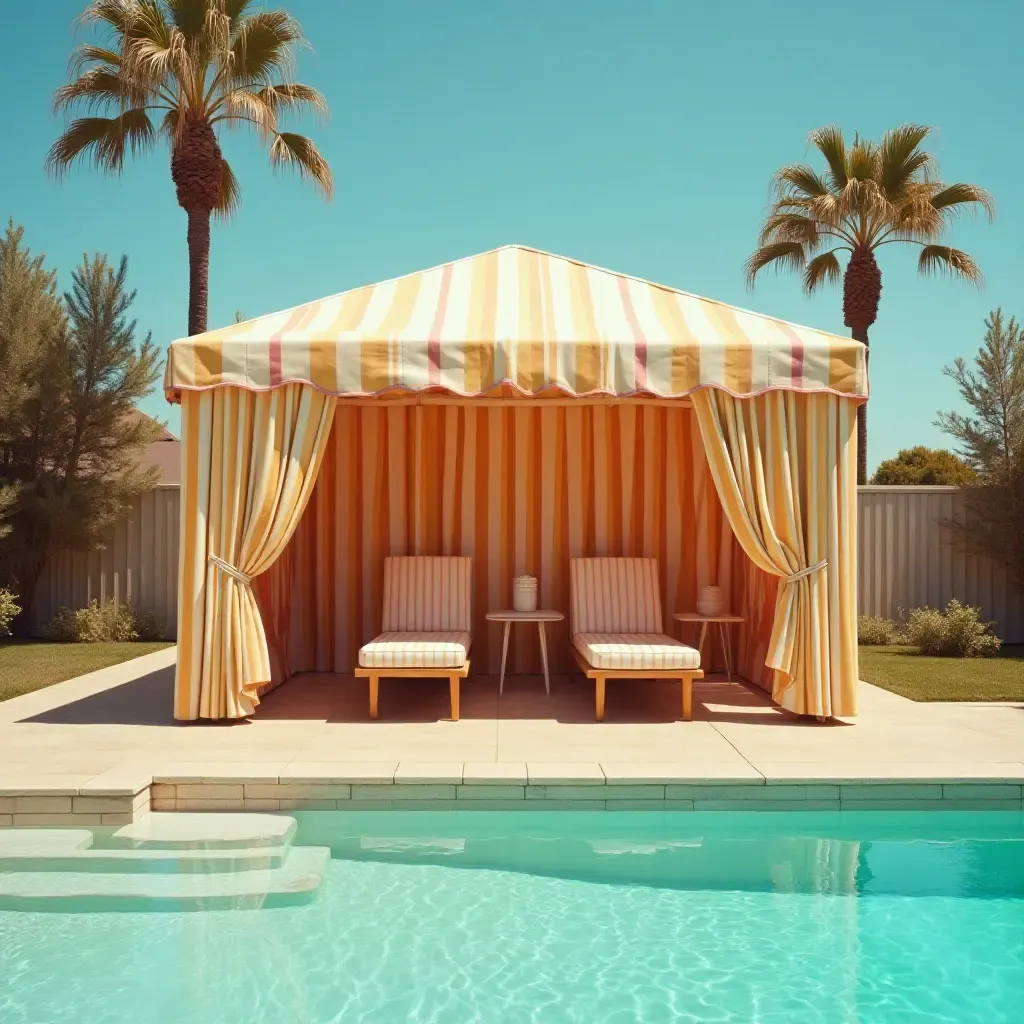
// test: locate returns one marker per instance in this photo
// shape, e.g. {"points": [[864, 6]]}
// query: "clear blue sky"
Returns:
{"points": [[639, 135]]}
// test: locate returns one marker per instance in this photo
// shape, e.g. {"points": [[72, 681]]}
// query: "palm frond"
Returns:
{"points": [[961, 195], [97, 87], [169, 124], [800, 180], [189, 15], [234, 9], [215, 37], [230, 193], [107, 139], [115, 14], [832, 146], [862, 160], [262, 47], [284, 96], [783, 255], [942, 259], [244, 105], [88, 54], [822, 269], [915, 219], [784, 226], [155, 52], [901, 161], [835, 209], [300, 153]]}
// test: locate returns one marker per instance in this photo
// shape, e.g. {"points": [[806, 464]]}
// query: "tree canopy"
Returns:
{"points": [[73, 372], [991, 440], [921, 465]]}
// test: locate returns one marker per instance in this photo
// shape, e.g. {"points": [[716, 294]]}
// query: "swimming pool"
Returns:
{"points": [[454, 917]]}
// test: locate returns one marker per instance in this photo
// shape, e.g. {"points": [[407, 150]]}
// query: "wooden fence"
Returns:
{"points": [[907, 559], [140, 563]]}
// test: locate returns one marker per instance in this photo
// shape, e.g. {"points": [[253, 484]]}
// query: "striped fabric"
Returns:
{"points": [[416, 649], [524, 317], [249, 463], [636, 651], [790, 514], [615, 595], [422, 592], [521, 490]]}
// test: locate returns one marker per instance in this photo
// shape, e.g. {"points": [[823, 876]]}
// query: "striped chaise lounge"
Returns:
{"points": [[616, 626], [426, 624]]}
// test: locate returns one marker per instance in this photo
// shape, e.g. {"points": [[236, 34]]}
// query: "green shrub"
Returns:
{"points": [[93, 623], [956, 633], [148, 626], [9, 610], [63, 626], [107, 623], [876, 631], [121, 624]]}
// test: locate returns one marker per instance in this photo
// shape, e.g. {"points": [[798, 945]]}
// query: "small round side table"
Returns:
{"points": [[540, 616], [705, 620]]}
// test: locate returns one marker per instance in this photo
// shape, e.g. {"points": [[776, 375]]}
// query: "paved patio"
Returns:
{"points": [[119, 721]]}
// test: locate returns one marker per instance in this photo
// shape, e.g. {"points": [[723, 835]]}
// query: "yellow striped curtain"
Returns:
{"points": [[250, 463], [520, 490], [784, 467]]}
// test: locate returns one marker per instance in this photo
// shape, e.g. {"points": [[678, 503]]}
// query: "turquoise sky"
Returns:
{"points": [[640, 136]]}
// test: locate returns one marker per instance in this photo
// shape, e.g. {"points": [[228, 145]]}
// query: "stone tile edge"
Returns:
{"points": [[110, 803]]}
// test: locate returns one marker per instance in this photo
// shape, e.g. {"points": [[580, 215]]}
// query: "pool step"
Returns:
{"points": [[42, 842], [295, 881], [181, 830], [153, 860]]}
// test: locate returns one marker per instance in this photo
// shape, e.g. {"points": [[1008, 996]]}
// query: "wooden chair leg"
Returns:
{"points": [[599, 684], [687, 682], [374, 691], [453, 690]]}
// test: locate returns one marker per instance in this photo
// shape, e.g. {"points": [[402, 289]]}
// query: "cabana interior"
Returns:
{"points": [[521, 409]]}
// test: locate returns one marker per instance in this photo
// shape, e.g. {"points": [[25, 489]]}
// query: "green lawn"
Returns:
{"points": [[27, 665], [902, 670]]}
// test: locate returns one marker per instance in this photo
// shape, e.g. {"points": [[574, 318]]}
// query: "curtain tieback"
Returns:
{"points": [[228, 569], [809, 571]]}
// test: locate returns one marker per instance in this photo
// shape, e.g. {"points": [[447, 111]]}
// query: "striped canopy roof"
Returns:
{"points": [[521, 318]]}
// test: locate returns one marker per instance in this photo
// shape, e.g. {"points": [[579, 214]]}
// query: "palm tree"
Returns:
{"points": [[872, 194], [199, 66]]}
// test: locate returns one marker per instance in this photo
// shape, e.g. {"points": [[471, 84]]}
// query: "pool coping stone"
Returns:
{"points": [[125, 794]]}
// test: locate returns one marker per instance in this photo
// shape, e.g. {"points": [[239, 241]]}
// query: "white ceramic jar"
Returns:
{"points": [[524, 594]]}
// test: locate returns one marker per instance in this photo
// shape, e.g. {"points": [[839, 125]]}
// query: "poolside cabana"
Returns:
{"points": [[519, 408]]}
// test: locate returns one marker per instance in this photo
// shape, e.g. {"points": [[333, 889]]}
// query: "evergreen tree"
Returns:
{"points": [[991, 439], [29, 314], [72, 442]]}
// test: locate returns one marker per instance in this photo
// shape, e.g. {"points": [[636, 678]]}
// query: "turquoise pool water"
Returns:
{"points": [[453, 918]]}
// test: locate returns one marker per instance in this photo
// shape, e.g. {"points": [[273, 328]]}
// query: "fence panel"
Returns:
{"points": [[909, 559], [140, 562]]}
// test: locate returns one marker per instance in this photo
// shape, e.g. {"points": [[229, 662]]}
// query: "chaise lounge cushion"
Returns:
{"points": [[615, 595], [416, 649], [635, 651], [427, 592]]}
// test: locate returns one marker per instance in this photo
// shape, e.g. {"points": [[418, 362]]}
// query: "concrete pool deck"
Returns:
{"points": [[104, 749]]}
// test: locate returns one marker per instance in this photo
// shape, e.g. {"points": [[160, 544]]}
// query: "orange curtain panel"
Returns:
{"points": [[520, 490], [250, 463], [785, 469]]}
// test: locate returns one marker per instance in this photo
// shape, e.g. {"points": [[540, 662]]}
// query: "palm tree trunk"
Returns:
{"points": [[198, 269], [862, 290]]}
